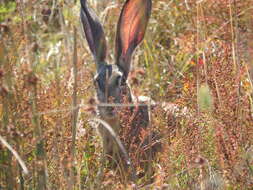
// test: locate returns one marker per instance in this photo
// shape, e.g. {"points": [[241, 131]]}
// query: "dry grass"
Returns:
{"points": [[195, 62]]}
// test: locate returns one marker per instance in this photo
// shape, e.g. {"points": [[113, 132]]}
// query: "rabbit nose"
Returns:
{"points": [[111, 109]]}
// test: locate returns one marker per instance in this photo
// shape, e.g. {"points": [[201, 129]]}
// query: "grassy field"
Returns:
{"points": [[195, 62]]}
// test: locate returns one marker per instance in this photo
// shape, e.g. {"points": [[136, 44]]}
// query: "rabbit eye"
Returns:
{"points": [[95, 80], [119, 80], [96, 83]]}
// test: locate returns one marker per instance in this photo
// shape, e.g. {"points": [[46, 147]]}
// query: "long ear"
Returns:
{"points": [[130, 30], [94, 32]]}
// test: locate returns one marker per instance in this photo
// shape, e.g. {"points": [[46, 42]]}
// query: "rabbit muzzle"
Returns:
{"points": [[111, 90]]}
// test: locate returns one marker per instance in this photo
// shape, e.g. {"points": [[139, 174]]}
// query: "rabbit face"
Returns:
{"points": [[110, 88]]}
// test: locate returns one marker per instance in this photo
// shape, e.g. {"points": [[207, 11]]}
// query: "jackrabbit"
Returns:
{"points": [[111, 79]]}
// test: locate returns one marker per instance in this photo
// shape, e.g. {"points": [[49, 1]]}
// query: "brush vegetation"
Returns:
{"points": [[195, 62]]}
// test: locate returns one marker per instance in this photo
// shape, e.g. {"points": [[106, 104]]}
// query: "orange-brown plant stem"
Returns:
{"points": [[58, 131], [6, 95], [40, 150], [74, 110]]}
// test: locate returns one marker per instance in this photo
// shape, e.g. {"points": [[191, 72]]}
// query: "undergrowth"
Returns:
{"points": [[195, 63]]}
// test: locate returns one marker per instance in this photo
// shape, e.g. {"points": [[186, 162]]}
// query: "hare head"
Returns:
{"points": [[111, 79]]}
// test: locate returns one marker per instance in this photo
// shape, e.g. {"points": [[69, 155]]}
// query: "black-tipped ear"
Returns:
{"points": [[94, 32], [130, 30]]}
